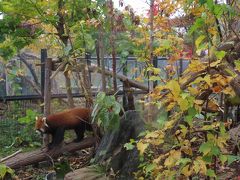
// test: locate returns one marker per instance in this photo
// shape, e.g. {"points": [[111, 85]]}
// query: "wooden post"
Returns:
{"points": [[155, 64], [47, 94], [43, 60], [88, 59], [180, 67], [3, 84], [125, 88]]}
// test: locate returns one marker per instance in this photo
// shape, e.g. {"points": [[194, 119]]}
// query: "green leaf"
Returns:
{"points": [[218, 10], [220, 54], [205, 148], [10, 171], [223, 158], [155, 78], [211, 173], [237, 64], [124, 54], [117, 108], [207, 159], [191, 114], [197, 25], [199, 40], [150, 167], [3, 170], [210, 4], [202, 2], [129, 146], [183, 161], [162, 118], [215, 151], [232, 158], [100, 97]]}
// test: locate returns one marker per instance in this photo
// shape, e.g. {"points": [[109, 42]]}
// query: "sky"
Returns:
{"points": [[139, 6]]}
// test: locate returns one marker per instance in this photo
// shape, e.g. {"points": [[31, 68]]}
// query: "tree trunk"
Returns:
{"points": [[97, 52], [112, 42], [84, 81], [151, 40], [69, 89], [101, 50], [150, 109], [28, 158], [64, 38]]}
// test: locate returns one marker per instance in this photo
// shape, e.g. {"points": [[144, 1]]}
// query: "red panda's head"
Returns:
{"points": [[41, 125]]}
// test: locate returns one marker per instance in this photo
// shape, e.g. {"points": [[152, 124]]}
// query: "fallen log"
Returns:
{"points": [[28, 158]]}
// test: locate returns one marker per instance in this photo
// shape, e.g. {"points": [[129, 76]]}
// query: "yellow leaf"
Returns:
{"points": [[207, 79], [199, 102], [183, 103], [229, 90], [153, 134], [199, 40], [193, 139], [215, 63], [157, 141], [139, 79], [169, 124], [184, 130], [186, 171], [187, 150], [171, 106], [197, 11], [212, 30], [158, 159], [193, 91], [156, 71], [198, 80], [173, 157], [174, 88], [142, 147], [200, 166]]}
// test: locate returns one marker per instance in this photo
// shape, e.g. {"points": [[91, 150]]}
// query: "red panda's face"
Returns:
{"points": [[40, 125]]}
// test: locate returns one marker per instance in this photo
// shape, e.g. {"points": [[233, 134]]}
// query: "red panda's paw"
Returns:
{"points": [[50, 146]]}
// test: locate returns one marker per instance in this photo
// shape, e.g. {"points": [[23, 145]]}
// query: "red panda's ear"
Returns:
{"points": [[36, 118]]}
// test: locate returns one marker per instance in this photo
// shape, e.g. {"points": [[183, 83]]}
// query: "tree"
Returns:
{"points": [[55, 20]]}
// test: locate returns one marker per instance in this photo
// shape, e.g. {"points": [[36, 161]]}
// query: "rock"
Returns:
{"points": [[111, 151], [87, 173]]}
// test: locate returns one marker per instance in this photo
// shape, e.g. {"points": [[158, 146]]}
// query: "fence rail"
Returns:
{"points": [[130, 63], [75, 95]]}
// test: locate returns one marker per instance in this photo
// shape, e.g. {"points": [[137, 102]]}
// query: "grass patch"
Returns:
{"points": [[15, 136]]}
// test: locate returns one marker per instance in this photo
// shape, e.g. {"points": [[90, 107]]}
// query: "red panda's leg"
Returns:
{"points": [[57, 137], [79, 130]]}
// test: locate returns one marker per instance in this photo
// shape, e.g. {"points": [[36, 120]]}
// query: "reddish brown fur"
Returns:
{"points": [[55, 124], [68, 118]]}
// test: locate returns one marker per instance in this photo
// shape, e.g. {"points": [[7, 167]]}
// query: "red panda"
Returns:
{"points": [[55, 124]]}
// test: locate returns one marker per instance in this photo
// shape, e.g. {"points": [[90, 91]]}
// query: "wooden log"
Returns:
{"points": [[94, 68], [28, 158], [121, 77]]}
